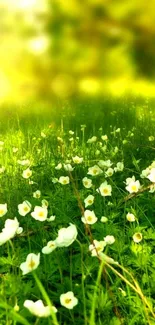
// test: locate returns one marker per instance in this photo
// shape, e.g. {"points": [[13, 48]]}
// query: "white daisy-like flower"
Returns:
{"points": [[68, 300], [151, 176], [109, 240], [89, 217], [104, 137], [38, 309], [130, 179], [37, 194], [77, 160], [3, 209], [94, 171], [50, 247], [44, 203], [119, 167], [89, 200], [87, 182], [31, 263], [105, 163], [64, 180], [66, 236], [137, 237], [71, 132], [104, 219], [133, 187], [39, 213], [2, 170], [145, 173], [27, 173], [130, 217], [109, 172], [105, 189], [51, 218], [68, 167], [59, 166], [24, 208], [97, 247], [24, 162], [9, 230], [92, 139]]}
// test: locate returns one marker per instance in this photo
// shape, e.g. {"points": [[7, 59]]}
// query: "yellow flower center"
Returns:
{"points": [[41, 214], [105, 191], [90, 201], [86, 183], [1, 211], [134, 188], [25, 209], [31, 264], [64, 181], [68, 300], [89, 218]]}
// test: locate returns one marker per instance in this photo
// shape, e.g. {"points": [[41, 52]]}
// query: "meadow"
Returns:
{"points": [[77, 216]]}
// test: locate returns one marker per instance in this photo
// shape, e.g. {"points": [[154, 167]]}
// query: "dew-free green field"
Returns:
{"points": [[77, 211]]}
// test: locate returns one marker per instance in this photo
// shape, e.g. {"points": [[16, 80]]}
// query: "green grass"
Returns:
{"points": [[108, 294]]}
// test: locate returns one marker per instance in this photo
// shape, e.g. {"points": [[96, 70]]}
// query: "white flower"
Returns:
{"points": [[9, 230], [119, 167], [130, 217], [44, 203], [145, 173], [24, 208], [37, 194], [95, 170], [77, 160], [51, 218], [87, 182], [71, 132], [109, 240], [24, 162], [137, 237], [129, 180], [55, 180], [104, 137], [133, 187], [68, 300], [27, 173], [151, 138], [19, 230], [105, 163], [91, 140], [38, 309], [14, 149], [43, 135], [31, 263], [39, 213], [89, 217], [64, 180], [151, 176], [66, 236], [104, 219], [50, 247], [59, 166], [97, 247], [68, 167], [105, 189], [118, 130], [2, 170], [109, 172], [3, 209], [89, 200]]}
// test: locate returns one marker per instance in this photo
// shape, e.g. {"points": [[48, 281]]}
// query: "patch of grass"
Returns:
{"points": [[115, 286]]}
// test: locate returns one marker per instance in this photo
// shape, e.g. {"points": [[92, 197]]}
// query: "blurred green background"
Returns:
{"points": [[58, 50]]}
